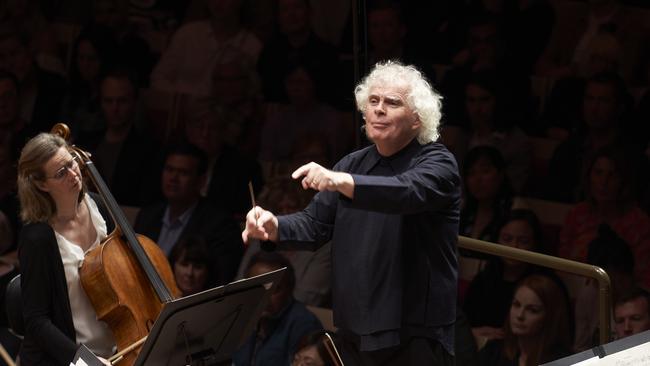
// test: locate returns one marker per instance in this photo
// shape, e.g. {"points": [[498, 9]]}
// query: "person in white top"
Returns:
{"points": [[62, 223], [187, 63]]}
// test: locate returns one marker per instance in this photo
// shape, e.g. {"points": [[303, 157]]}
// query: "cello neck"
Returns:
{"points": [[163, 293]]}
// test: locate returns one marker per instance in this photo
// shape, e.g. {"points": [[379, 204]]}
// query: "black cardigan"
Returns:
{"points": [[49, 331]]}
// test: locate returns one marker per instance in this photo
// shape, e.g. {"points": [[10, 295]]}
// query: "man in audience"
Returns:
{"points": [[284, 321], [187, 64], [632, 313], [128, 160], [229, 171], [185, 214]]}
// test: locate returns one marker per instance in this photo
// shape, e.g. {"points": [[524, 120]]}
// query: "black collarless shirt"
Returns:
{"points": [[394, 244]]}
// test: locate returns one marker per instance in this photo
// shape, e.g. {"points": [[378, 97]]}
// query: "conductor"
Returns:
{"points": [[391, 210]]}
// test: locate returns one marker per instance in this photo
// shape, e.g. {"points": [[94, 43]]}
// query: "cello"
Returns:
{"points": [[127, 278]]}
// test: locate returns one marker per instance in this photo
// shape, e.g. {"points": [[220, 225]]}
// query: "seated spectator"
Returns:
{"points": [[563, 111], [305, 114], [388, 38], [193, 265], [229, 171], [187, 64], [537, 327], [296, 43], [603, 109], [311, 351], [610, 198], [611, 253], [632, 313], [488, 194], [485, 51], [489, 295], [236, 89], [128, 159], [569, 44], [41, 92], [93, 54], [312, 268], [490, 123], [184, 214], [284, 321]]}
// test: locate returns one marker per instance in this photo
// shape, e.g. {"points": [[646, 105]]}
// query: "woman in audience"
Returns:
{"points": [[93, 53], [311, 351], [537, 328], [193, 265], [488, 194], [491, 122], [490, 293], [610, 190]]}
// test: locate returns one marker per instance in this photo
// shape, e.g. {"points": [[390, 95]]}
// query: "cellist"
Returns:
{"points": [[62, 223]]}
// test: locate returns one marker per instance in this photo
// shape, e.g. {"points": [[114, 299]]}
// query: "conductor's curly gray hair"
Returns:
{"points": [[420, 97]]}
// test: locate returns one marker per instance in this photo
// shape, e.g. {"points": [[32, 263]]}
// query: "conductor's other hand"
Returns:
{"points": [[260, 224], [320, 179]]}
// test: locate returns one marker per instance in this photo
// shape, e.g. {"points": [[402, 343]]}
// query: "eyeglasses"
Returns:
{"points": [[63, 171]]}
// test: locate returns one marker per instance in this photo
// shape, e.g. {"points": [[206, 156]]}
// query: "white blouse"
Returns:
{"points": [[93, 333]]}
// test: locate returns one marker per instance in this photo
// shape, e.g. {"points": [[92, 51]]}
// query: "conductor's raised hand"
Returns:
{"points": [[320, 179], [260, 224]]}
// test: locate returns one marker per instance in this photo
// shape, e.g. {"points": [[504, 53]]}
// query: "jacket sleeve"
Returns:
{"points": [[38, 283]]}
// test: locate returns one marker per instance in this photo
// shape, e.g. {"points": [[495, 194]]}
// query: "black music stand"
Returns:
{"points": [[206, 328]]}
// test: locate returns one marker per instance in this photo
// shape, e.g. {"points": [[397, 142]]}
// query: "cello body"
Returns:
{"points": [[121, 293]]}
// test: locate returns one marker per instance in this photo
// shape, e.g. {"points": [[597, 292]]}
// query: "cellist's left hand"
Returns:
{"points": [[318, 178]]}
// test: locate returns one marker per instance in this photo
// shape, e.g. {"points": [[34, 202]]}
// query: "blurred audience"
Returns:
{"points": [[128, 159], [189, 60]]}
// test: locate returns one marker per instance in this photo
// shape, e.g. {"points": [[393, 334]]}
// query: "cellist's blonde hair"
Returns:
{"points": [[35, 204]]}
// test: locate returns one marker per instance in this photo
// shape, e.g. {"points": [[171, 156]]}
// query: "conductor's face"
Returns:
{"points": [[390, 123]]}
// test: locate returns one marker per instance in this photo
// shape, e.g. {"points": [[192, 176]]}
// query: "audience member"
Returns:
{"points": [[490, 293], [193, 265], [236, 88], [41, 92], [93, 54], [286, 124], [27, 17], [526, 26], [187, 64], [229, 171], [12, 125], [296, 43], [632, 313], [185, 214], [485, 51], [563, 111], [575, 29], [490, 123], [388, 38], [311, 351], [611, 253], [610, 198], [128, 160], [284, 321], [603, 108], [488, 194], [537, 329]]}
